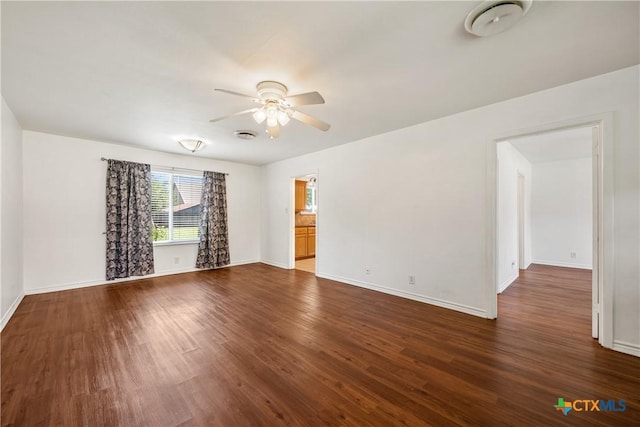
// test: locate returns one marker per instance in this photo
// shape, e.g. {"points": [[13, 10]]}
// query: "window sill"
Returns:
{"points": [[306, 213], [176, 242]]}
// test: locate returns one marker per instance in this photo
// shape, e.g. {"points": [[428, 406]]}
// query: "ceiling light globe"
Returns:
{"points": [[283, 118], [259, 116], [272, 111]]}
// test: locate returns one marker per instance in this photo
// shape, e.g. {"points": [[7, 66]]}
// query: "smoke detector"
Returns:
{"points": [[245, 134], [493, 17]]}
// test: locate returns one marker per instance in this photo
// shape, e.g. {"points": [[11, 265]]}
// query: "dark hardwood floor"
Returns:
{"points": [[260, 346]]}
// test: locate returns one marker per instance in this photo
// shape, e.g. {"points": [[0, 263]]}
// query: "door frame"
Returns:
{"points": [[521, 220], [292, 217], [603, 180]]}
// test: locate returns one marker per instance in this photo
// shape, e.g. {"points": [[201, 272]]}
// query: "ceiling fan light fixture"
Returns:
{"points": [[259, 116], [277, 108], [192, 145], [272, 109], [272, 113], [269, 89], [283, 118]]}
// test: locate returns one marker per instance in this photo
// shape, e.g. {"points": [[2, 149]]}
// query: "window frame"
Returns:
{"points": [[172, 173], [314, 201]]}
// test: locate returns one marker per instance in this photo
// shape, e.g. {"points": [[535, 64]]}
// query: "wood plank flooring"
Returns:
{"points": [[256, 345], [308, 265]]}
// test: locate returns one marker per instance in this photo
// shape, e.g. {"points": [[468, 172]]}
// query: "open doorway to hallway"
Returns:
{"points": [[304, 222], [547, 219]]}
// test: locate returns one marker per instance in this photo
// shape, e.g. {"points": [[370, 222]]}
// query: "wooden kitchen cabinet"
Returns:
{"points": [[305, 242], [301, 246], [301, 195], [311, 241]]}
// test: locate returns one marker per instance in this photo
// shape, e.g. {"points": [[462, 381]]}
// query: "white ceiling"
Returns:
{"points": [[143, 73], [566, 144]]}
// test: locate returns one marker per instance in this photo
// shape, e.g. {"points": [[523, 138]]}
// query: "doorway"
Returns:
{"points": [[601, 153], [304, 222], [546, 215]]}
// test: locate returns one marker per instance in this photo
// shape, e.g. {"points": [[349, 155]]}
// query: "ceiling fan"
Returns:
{"points": [[276, 108]]}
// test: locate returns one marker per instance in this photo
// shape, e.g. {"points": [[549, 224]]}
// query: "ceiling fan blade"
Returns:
{"points": [[239, 113], [309, 98], [273, 131], [307, 119], [230, 92]]}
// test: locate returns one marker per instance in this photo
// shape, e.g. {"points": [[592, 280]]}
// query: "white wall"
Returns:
{"points": [[64, 215], [511, 163], [562, 213], [12, 289], [413, 201]]}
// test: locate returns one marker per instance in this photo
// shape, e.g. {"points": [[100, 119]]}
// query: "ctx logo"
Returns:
{"points": [[589, 405]]}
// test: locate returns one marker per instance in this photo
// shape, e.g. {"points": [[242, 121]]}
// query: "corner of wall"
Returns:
{"points": [[12, 309], [504, 285], [11, 210]]}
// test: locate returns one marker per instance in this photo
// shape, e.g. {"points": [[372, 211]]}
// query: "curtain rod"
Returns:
{"points": [[104, 159]]}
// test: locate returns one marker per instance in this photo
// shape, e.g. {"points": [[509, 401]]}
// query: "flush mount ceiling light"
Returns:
{"points": [[493, 17], [277, 109], [192, 145]]}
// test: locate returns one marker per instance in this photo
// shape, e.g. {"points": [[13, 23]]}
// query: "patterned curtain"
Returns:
{"points": [[213, 250], [129, 242]]}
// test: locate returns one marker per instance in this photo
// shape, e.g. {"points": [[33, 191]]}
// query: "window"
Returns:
{"points": [[175, 207], [311, 204]]}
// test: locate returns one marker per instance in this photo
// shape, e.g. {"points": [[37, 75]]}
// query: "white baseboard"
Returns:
{"points": [[9, 313], [416, 297], [561, 264], [504, 285], [275, 264], [249, 261], [78, 285], [626, 347]]}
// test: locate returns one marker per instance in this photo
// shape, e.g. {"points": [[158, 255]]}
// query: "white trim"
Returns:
{"points": [[504, 285], [604, 257], [562, 264], [87, 284], [491, 226], [276, 264], [176, 242], [626, 347], [409, 295], [10, 311], [247, 261]]}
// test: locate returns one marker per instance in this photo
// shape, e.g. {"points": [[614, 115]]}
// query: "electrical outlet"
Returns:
{"points": [[513, 264], [412, 280], [572, 255], [367, 271], [176, 260]]}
